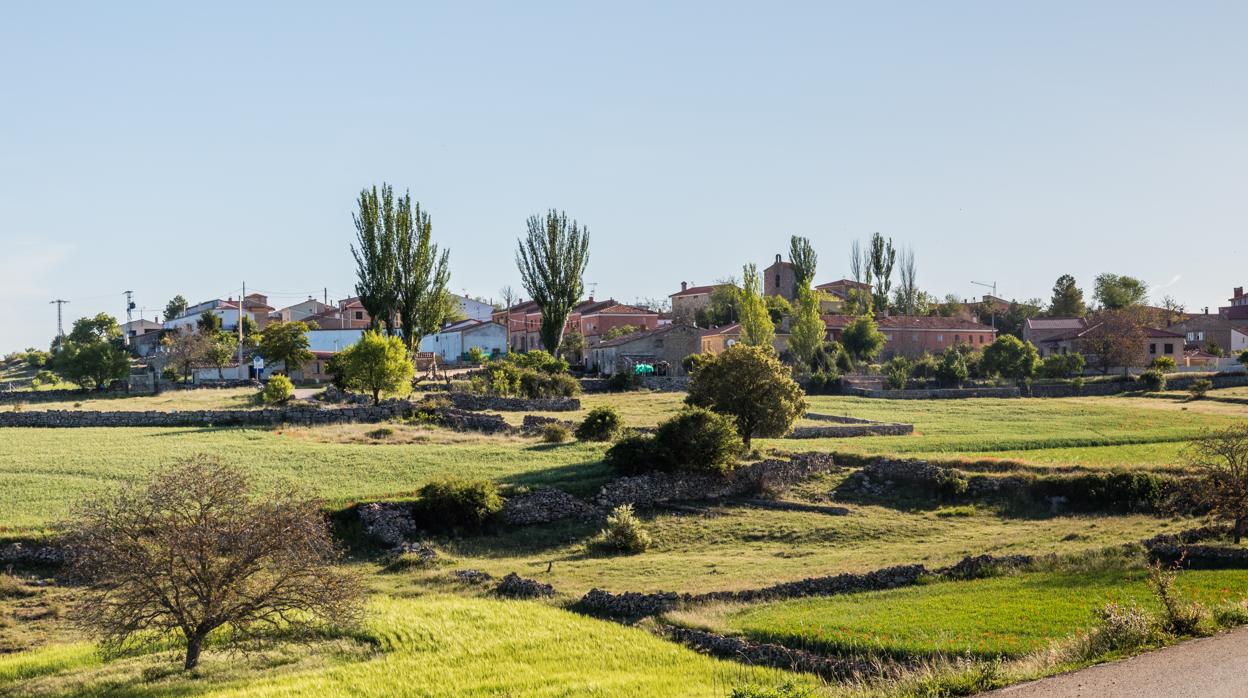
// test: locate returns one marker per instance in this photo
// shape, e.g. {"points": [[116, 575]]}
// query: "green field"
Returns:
{"points": [[431, 646]]}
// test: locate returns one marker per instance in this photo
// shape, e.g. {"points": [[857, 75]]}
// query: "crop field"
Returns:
{"points": [[999, 616]]}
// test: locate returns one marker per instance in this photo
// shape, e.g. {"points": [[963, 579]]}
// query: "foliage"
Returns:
{"points": [[183, 349], [896, 373], [750, 385], [808, 331], [693, 362], [1243, 358], [556, 433], [1116, 338], [1010, 357], [724, 305], [881, 255], [777, 308], [601, 424], [376, 256], [551, 260], [574, 345], [539, 384], [1062, 365], [1115, 292], [952, 369], [1179, 616], [1199, 387], [1067, 300], [175, 307], [277, 390], [286, 342], [826, 381], [454, 504], [621, 331], [191, 553], [1212, 347], [623, 381], [862, 338], [1015, 317], [907, 296], [533, 375], [1120, 627], [1165, 364], [757, 329], [218, 349], [831, 357], [804, 260], [92, 354], [624, 533], [925, 366], [375, 365], [38, 359], [538, 360], [698, 440], [421, 274], [208, 322], [1153, 380], [634, 454], [477, 356], [784, 690], [1221, 458]]}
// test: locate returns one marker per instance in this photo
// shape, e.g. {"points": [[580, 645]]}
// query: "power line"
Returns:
{"points": [[60, 328]]}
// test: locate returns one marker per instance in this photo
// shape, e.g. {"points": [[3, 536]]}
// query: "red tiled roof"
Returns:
{"points": [[696, 290], [910, 322], [1056, 323], [1163, 334], [843, 282], [618, 308], [637, 335]]}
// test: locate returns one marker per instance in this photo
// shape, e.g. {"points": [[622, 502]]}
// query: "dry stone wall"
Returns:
{"points": [[495, 403], [299, 415]]}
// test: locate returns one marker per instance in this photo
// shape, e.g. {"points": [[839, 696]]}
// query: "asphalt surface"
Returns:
{"points": [[1211, 667]]}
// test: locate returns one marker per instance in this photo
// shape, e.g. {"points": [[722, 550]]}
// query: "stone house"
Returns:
{"points": [[913, 335], [689, 300], [718, 339], [1039, 329], [1157, 343], [668, 345], [303, 310], [452, 343], [349, 314], [780, 280]]}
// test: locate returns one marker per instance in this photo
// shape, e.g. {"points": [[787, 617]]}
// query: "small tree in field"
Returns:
{"points": [[750, 385], [377, 364], [862, 338], [1011, 357], [1222, 458], [190, 552]]}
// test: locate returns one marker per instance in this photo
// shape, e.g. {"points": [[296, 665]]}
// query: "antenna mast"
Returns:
{"points": [[60, 328]]}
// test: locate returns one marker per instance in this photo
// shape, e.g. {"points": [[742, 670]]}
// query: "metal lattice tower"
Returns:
{"points": [[60, 328], [129, 306]]}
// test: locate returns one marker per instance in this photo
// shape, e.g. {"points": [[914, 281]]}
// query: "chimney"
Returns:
{"points": [[684, 285], [777, 259], [1239, 291]]}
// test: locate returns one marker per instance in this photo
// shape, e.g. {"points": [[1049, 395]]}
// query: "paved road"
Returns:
{"points": [[1211, 667]]}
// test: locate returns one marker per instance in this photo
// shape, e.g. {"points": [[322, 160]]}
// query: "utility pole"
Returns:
{"points": [[240, 331], [60, 328], [125, 337]]}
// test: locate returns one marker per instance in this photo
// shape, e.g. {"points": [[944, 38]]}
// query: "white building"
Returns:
{"points": [[226, 310], [474, 309], [453, 342], [332, 341]]}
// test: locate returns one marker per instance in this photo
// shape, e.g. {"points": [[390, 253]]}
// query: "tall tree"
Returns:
{"points": [[422, 274], [182, 349], [881, 269], [803, 258], [808, 331], [175, 307], [208, 322], [1172, 309], [859, 302], [1116, 338], [218, 349], [552, 259], [1067, 298], [376, 259], [757, 329], [1114, 291], [906, 297]]}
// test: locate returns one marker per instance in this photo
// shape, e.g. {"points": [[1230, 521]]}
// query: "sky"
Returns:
{"points": [[179, 148]]}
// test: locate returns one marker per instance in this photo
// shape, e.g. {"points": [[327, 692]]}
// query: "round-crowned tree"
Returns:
{"points": [[1010, 357], [751, 386]]}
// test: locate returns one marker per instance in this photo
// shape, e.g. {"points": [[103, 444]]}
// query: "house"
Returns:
{"points": [[474, 309], [257, 306], [841, 288], [227, 310], [1229, 333], [717, 339], [1039, 329], [779, 279], [302, 310], [664, 348], [1238, 309], [1157, 343], [913, 335], [142, 326], [453, 342], [690, 299], [591, 318]]}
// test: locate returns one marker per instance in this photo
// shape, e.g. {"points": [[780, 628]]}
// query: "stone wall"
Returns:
{"points": [[299, 415], [119, 388], [495, 403], [763, 476], [670, 384], [851, 430], [768, 654], [935, 393]]}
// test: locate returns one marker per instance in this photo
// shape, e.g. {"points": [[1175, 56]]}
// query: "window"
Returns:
{"points": [[359, 315], [957, 339], [1169, 348], [777, 279], [1152, 348], [940, 338], [914, 337], [1201, 335]]}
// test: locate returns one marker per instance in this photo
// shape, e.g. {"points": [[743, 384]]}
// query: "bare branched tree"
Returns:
{"points": [[552, 259], [907, 283], [190, 552], [1222, 459]]}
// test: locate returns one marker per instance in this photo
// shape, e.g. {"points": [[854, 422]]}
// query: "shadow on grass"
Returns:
{"points": [[580, 479]]}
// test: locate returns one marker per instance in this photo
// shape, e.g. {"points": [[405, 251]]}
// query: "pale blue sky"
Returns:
{"points": [[169, 149]]}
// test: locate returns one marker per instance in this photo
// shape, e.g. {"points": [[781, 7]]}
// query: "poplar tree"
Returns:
{"points": [[422, 274], [551, 259], [756, 326], [377, 269]]}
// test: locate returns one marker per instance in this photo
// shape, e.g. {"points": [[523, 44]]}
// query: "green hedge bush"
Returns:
{"points": [[455, 504], [601, 424]]}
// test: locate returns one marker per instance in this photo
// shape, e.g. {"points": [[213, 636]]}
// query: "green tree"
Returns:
{"points": [[286, 342], [750, 385], [208, 322], [421, 276], [803, 258], [182, 349], [1067, 298], [862, 338], [882, 256], [1015, 317], [574, 344], [757, 329], [808, 331], [952, 369], [617, 332], [219, 349], [1212, 347], [1165, 364], [1010, 357], [93, 353], [376, 257], [1115, 292], [1116, 338], [552, 259], [175, 307], [723, 306], [1243, 358], [377, 364]]}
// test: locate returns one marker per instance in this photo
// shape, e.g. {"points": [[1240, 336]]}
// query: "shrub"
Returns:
{"points": [[1114, 491], [621, 381], [823, 382], [862, 339], [539, 384], [537, 360], [1120, 627], [1010, 357], [377, 364], [278, 390], [896, 373], [634, 454], [1165, 364], [47, 377], [624, 533], [750, 385], [784, 690], [477, 355], [952, 369], [555, 433], [1179, 616], [1243, 358], [924, 367], [1062, 365], [693, 362], [601, 424], [1153, 380], [1077, 384], [1199, 387], [37, 359], [380, 433], [458, 504], [699, 440]]}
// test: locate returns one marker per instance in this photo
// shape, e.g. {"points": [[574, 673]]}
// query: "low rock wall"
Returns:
{"points": [[669, 384], [763, 476], [495, 403], [935, 393], [772, 655], [846, 431], [202, 418]]}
